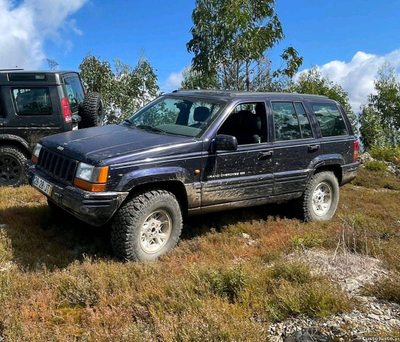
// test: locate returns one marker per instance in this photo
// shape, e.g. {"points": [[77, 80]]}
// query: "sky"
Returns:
{"points": [[348, 40]]}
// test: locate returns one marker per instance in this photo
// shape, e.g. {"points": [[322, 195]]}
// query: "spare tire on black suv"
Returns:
{"points": [[34, 104]]}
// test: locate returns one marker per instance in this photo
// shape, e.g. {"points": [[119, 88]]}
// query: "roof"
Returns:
{"points": [[227, 94], [14, 77], [22, 71]]}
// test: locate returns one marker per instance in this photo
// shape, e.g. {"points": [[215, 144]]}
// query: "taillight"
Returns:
{"points": [[356, 150], [66, 109]]}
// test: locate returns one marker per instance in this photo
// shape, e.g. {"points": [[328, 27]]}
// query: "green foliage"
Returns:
{"points": [[229, 41], [225, 282], [387, 288], [312, 82], [384, 110], [386, 153], [371, 130], [293, 290], [125, 89], [375, 165]]}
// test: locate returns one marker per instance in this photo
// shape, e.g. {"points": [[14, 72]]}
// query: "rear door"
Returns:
{"points": [[294, 146]]}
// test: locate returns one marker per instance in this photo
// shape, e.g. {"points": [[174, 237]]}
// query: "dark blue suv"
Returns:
{"points": [[193, 152]]}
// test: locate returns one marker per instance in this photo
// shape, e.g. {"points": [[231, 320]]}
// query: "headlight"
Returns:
{"points": [[91, 178], [36, 152]]}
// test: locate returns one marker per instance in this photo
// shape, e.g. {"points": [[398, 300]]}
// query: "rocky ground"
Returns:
{"points": [[353, 272]]}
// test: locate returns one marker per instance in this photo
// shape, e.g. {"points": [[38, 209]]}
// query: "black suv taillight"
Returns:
{"points": [[356, 150]]}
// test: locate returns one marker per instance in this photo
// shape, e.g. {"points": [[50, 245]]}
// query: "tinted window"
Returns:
{"points": [[330, 119], [305, 127], [32, 101], [75, 92], [291, 121]]}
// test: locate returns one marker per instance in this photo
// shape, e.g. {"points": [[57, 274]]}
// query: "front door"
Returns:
{"points": [[244, 174]]}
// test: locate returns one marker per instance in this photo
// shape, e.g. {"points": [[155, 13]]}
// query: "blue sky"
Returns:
{"points": [[348, 40]]}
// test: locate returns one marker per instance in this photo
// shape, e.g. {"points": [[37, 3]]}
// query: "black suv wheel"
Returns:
{"points": [[321, 198], [12, 161], [146, 226]]}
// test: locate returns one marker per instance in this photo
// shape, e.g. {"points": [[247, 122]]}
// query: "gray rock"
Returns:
{"points": [[306, 337], [365, 157], [322, 338], [290, 339], [373, 316]]}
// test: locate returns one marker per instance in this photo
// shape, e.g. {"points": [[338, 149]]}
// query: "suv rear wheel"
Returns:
{"points": [[146, 226], [12, 162], [92, 110], [321, 198]]}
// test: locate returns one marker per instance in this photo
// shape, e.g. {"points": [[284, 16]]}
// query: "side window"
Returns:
{"points": [[246, 123], [32, 101], [305, 127], [75, 91], [291, 121], [330, 119]]}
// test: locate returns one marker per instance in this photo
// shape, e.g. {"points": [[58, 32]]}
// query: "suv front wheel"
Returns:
{"points": [[146, 226], [12, 161], [320, 200]]}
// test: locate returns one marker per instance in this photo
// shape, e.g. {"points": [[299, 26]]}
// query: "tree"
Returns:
{"points": [[124, 89], [230, 39], [386, 104], [313, 82], [371, 131]]}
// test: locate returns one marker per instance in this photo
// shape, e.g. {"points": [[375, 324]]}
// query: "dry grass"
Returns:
{"points": [[59, 282]]}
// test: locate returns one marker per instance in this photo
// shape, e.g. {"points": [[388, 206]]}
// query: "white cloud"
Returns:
{"points": [[173, 81], [25, 27], [357, 76]]}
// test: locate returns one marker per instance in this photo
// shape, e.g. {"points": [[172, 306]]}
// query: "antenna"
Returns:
{"points": [[52, 64]]}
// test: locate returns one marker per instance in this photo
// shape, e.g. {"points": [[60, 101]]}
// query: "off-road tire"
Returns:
{"points": [[12, 166], [128, 223], [309, 200], [92, 112]]}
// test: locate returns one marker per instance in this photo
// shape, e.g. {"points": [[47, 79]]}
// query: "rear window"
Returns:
{"points": [[32, 101], [330, 119], [75, 92]]}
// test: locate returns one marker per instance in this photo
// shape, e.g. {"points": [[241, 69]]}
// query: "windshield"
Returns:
{"points": [[180, 116]]}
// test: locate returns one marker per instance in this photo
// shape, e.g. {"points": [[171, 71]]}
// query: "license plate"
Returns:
{"points": [[42, 185]]}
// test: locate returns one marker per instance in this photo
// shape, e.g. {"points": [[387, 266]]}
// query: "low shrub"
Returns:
{"points": [[386, 153], [387, 288], [375, 165]]}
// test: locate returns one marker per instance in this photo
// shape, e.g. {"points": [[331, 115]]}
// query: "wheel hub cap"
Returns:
{"points": [[322, 199], [155, 231]]}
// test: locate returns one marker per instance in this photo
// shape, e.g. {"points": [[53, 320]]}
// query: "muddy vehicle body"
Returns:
{"points": [[193, 152], [35, 104]]}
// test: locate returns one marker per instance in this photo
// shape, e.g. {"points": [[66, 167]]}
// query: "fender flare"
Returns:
{"points": [[15, 139], [153, 175]]}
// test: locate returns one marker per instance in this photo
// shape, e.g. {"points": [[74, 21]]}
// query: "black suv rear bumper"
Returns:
{"points": [[93, 208]]}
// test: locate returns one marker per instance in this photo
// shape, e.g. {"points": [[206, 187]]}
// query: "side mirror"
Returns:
{"points": [[224, 142]]}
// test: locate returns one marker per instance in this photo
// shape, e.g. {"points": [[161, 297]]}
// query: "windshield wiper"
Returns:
{"points": [[129, 122], [150, 128]]}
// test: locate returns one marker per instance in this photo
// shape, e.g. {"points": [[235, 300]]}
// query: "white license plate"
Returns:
{"points": [[42, 185]]}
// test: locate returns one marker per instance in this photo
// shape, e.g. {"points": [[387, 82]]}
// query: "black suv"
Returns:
{"points": [[34, 104], [193, 152]]}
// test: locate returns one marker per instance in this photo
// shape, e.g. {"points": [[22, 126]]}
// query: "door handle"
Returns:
{"points": [[265, 154], [312, 148]]}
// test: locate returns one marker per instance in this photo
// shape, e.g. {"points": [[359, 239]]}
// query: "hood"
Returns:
{"points": [[98, 144]]}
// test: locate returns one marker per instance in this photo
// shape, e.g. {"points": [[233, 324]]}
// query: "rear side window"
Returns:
{"points": [[32, 101], [330, 119], [75, 92], [291, 121]]}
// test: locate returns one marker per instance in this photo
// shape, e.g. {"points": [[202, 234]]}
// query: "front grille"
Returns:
{"points": [[57, 166]]}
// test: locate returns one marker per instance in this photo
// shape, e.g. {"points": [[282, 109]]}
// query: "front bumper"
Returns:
{"points": [[91, 207]]}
